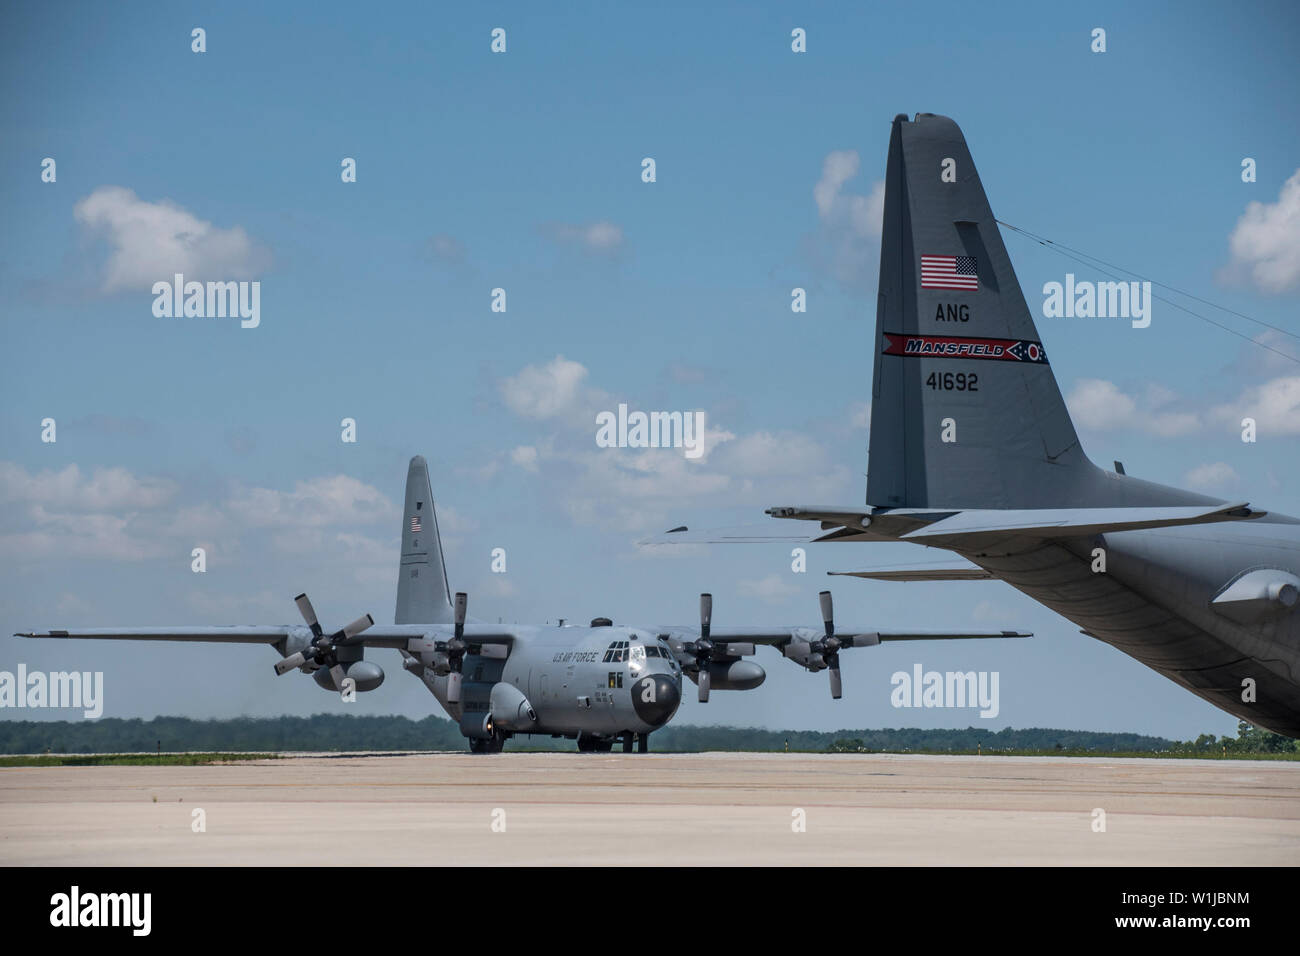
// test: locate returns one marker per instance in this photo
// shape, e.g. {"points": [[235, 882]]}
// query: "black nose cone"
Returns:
{"points": [[655, 698]]}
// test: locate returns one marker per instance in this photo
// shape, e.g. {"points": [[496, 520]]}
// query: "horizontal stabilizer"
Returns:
{"points": [[738, 534], [1073, 522]]}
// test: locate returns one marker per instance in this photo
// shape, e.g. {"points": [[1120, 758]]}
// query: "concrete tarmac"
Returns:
{"points": [[615, 809]]}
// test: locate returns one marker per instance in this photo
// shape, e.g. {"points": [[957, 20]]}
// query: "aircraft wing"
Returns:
{"points": [[239, 634], [379, 635], [848, 637]]}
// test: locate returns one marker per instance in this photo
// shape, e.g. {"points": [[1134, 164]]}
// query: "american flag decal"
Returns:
{"points": [[415, 524], [949, 272]]}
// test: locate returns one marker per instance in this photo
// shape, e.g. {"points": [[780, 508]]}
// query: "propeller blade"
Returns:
{"points": [[837, 688], [704, 685], [308, 614], [453, 687], [338, 674], [357, 626], [462, 602], [283, 667], [828, 613], [706, 618]]}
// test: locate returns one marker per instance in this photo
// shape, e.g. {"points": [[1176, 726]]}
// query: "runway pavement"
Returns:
{"points": [[569, 808]]}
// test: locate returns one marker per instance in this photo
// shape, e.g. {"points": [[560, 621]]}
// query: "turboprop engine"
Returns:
{"points": [[331, 659]]}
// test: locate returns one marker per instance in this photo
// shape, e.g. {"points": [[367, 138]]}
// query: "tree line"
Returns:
{"points": [[334, 732]]}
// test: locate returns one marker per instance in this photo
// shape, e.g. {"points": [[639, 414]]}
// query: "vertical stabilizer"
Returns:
{"points": [[422, 593], [965, 412]]}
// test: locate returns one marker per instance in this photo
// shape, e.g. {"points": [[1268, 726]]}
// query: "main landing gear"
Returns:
{"points": [[488, 745], [591, 743]]}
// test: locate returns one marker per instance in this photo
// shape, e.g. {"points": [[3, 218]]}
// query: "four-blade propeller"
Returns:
{"points": [[704, 647], [322, 651], [829, 646], [456, 650]]}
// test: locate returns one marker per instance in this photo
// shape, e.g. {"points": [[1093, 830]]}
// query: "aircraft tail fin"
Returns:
{"points": [[422, 593], [966, 412]]}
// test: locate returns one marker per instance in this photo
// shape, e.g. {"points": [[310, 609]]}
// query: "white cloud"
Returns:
{"points": [[525, 456], [860, 415], [119, 516], [862, 214], [315, 503], [543, 391], [68, 489], [774, 589], [1101, 405], [1273, 352], [634, 489], [149, 242], [595, 237], [762, 454], [850, 222], [1265, 244], [55, 534], [1212, 476], [1275, 406]]}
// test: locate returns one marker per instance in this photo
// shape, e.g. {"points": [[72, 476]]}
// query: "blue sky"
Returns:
{"points": [[522, 171]]}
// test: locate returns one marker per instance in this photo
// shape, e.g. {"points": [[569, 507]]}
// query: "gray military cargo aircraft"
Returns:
{"points": [[972, 451], [596, 684]]}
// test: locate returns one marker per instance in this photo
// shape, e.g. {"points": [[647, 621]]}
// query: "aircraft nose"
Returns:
{"points": [[656, 697]]}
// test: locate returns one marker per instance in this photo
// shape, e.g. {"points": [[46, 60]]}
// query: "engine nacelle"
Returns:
{"points": [[735, 675], [367, 675], [798, 650], [510, 709], [298, 639]]}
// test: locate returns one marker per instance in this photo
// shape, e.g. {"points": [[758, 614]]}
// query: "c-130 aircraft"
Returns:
{"points": [[1204, 591], [595, 684]]}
